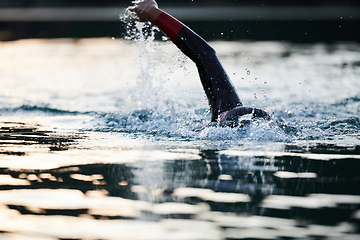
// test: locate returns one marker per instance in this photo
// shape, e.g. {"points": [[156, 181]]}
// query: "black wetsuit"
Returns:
{"points": [[225, 104]]}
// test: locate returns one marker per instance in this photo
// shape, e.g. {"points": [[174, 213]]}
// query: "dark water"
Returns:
{"points": [[302, 192], [96, 142]]}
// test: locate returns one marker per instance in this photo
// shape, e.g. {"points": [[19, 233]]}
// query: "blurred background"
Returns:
{"points": [[296, 21]]}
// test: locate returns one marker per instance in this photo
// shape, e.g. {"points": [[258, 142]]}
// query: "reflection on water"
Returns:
{"points": [[92, 147], [226, 194]]}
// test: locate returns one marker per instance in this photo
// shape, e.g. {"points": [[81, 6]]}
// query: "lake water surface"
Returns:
{"points": [[97, 142]]}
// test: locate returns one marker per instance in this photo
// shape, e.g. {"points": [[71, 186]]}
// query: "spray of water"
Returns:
{"points": [[151, 109]]}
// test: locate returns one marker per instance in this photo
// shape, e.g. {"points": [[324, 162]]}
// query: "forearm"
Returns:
{"points": [[169, 25]]}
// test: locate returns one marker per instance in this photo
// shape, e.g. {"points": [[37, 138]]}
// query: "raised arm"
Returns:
{"points": [[218, 88]]}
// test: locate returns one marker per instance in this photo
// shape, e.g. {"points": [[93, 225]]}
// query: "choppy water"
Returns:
{"points": [[97, 142]]}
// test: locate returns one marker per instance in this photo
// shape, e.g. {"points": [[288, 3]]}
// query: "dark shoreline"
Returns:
{"points": [[294, 23]]}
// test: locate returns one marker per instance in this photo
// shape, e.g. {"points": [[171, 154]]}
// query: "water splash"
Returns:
{"points": [[148, 94], [150, 109]]}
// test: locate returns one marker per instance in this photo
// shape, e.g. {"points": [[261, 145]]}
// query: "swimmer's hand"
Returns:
{"points": [[145, 10]]}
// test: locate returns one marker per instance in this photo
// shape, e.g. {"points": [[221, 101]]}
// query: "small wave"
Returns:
{"points": [[145, 120], [44, 109], [330, 129], [347, 101], [349, 125]]}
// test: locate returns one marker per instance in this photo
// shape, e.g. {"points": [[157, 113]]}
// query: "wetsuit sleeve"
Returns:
{"points": [[218, 88]]}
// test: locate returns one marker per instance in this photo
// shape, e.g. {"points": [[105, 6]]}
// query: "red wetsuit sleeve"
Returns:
{"points": [[169, 25]]}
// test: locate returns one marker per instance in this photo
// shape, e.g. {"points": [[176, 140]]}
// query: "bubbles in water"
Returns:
{"points": [[265, 82], [247, 71], [255, 96], [113, 38], [247, 59]]}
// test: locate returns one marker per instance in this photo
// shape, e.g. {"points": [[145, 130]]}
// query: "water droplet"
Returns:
{"points": [[247, 59], [233, 73], [265, 82], [255, 79], [221, 33], [113, 38], [248, 72], [266, 98], [255, 96], [242, 78]]}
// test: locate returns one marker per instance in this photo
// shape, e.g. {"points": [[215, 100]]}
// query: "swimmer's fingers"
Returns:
{"points": [[131, 8], [137, 13], [144, 9]]}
